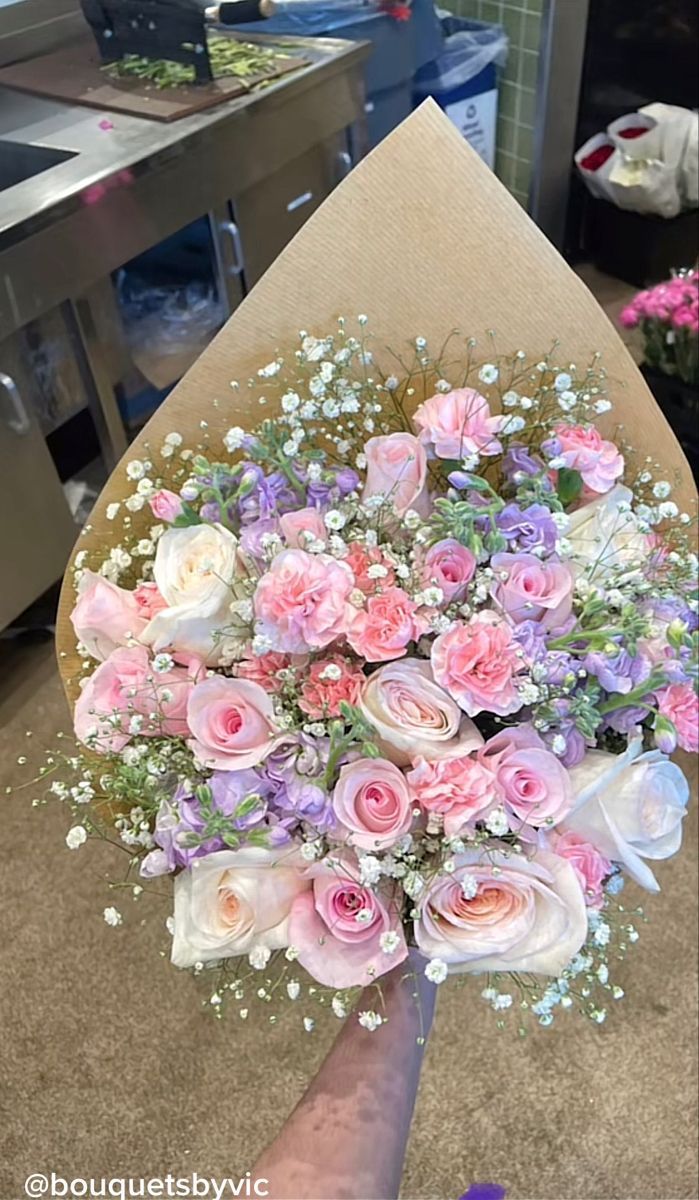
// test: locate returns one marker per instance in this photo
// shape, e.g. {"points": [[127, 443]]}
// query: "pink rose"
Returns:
{"points": [[125, 696], [329, 683], [301, 603], [397, 469], [599, 462], [501, 912], [477, 662], [337, 927], [105, 616], [232, 723], [590, 864], [680, 704], [303, 526], [360, 558], [148, 599], [451, 567], [383, 628], [527, 589], [372, 803], [413, 716], [461, 789], [536, 787], [458, 424], [166, 506]]}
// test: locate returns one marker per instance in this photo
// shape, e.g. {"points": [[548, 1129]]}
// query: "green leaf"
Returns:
{"points": [[569, 485]]}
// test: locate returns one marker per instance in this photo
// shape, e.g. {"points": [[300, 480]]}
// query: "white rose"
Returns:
{"points": [[503, 912], [230, 901], [601, 536], [194, 570], [630, 806]]}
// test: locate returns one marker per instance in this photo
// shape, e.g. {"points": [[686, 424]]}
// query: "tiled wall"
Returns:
{"points": [[517, 104]]}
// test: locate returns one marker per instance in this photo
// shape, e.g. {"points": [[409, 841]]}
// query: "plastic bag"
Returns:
{"points": [[466, 53], [679, 146]]}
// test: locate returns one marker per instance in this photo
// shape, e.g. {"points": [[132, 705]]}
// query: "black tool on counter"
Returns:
{"points": [[169, 29]]}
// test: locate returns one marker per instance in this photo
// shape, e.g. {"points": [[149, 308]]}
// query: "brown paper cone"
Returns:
{"points": [[424, 239]]}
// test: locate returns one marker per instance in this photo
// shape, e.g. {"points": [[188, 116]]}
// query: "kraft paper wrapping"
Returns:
{"points": [[423, 238]]}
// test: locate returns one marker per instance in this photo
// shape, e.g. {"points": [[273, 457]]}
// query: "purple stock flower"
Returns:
{"points": [[620, 672], [518, 462], [529, 529], [251, 536], [296, 767], [346, 481], [623, 720], [211, 511]]}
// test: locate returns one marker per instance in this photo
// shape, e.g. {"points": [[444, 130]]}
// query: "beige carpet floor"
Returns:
{"points": [[110, 1067]]}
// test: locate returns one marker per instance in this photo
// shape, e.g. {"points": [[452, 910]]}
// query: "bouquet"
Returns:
{"points": [[397, 667], [668, 317]]}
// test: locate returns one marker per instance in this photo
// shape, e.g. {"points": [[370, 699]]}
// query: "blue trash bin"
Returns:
{"points": [[399, 49], [463, 80]]}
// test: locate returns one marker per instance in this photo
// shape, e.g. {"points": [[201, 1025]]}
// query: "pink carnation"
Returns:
{"points": [[591, 867], [460, 789], [459, 423], [382, 630], [329, 682], [599, 462], [477, 663], [359, 559], [264, 670], [302, 602], [680, 704], [149, 599]]}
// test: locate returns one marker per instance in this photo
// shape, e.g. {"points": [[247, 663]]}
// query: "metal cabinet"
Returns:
{"points": [[36, 526], [268, 214]]}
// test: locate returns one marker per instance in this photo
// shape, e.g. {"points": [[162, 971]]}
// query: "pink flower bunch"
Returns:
{"points": [[674, 303]]}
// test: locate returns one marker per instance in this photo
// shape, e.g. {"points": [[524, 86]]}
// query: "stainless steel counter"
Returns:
{"points": [[256, 166], [127, 186]]}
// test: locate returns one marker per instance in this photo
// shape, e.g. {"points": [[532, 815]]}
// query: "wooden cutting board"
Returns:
{"points": [[75, 75]]}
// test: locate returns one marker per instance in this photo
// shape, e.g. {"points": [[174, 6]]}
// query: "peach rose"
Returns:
{"points": [[302, 602], [336, 928], [383, 628], [194, 569], [501, 912], [125, 696], [599, 462], [630, 806], [451, 567], [461, 789], [303, 526], [232, 723], [372, 803], [413, 716], [527, 589], [477, 662], [229, 902], [397, 469], [459, 423], [329, 683], [680, 704], [105, 616]]}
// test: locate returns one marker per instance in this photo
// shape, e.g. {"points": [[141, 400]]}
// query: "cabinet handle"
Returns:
{"points": [[344, 163], [20, 422], [233, 232]]}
